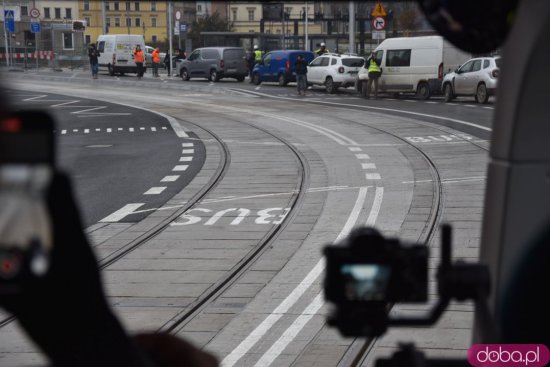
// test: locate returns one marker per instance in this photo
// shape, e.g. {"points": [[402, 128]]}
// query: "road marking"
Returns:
{"points": [[120, 129], [373, 176], [97, 129], [37, 97], [75, 130], [121, 213], [186, 159], [469, 105], [153, 129], [155, 190], [63, 132], [86, 131], [64, 104], [170, 178], [408, 100], [355, 149], [450, 180], [298, 291], [376, 205], [257, 88], [131, 129], [164, 128], [142, 128], [188, 151], [432, 102], [368, 165], [180, 168], [362, 156], [489, 108], [186, 145], [109, 130]]}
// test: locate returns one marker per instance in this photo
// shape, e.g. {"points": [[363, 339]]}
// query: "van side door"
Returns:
{"points": [[396, 72], [193, 63]]}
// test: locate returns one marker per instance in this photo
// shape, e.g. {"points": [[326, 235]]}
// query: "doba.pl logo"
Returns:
{"points": [[508, 355]]}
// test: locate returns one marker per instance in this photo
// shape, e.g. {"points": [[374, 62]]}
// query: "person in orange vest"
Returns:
{"points": [[156, 61], [139, 59]]}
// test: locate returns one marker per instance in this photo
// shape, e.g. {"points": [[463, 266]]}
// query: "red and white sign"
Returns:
{"points": [[34, 13], [379, 23]]}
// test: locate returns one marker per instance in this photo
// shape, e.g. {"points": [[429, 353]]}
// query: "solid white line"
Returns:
{"points": [[170, 178], [109, 130], [293, 297], [373, 176], [86, 131], [188, 151], [155, 190], [121, 213], [355, 149], [186, 159], [368, 165], [180, 168], [186, 145], [376, 205], [450, 180], [63, 132], [362, 156]]}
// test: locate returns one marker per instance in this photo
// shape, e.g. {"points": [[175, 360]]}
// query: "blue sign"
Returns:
{"points": [[35, 27], [183, 27], [9, 21]]}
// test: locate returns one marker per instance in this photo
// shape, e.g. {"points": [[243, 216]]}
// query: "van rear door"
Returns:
{"points": [[124, 51], [234, 61]]}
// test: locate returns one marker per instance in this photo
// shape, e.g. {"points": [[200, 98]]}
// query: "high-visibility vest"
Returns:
{"points": [[373, 66], [258, 55], [321, 51], [138, 56], [156, 57]]}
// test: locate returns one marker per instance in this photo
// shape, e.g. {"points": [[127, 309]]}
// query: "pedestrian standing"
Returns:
{"points": [[300, 65], [156, 61], [374, 74], [93, 54], [139, 59], [167, 61]]}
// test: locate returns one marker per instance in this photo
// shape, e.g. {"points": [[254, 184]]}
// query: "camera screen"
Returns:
{"points": [[25, 147], [365, 282]]}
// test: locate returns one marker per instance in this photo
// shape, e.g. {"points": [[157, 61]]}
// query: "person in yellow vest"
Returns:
{"points": [[139, 59], [374, 74], [258, 54], [322, 50], [156, 61]]}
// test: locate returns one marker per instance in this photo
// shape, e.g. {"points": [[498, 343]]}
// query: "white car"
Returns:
{"points": [[477, 77], [334, 71]]}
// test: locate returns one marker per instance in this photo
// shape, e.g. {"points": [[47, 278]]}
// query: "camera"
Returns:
{"points": [[368, 272], [26, 169]]}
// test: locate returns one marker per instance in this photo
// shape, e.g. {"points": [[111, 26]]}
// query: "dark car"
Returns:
{"points": [[278, 66], [214, 63]]}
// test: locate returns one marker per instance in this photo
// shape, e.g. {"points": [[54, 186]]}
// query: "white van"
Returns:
{"points": [[413, 65], [116, 52]]}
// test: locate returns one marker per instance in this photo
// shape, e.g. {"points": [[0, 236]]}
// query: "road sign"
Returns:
{"points": [[379, 11], [379, 23], [183, 27], [178, 15], [9, 21], [34, 13], [378, 35], [35, 27], [177, 28]]}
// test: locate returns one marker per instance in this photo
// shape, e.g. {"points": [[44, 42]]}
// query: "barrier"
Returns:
{"points": [[41, 55]]}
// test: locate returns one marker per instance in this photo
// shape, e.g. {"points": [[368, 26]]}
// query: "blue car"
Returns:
{"points": [[278, 66]]}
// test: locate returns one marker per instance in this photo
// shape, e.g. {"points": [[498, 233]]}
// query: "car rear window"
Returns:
{"points": [[497, 61], [234, 54], [357, 62]]}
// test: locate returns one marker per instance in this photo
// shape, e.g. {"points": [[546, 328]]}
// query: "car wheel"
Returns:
{"points": [[256, 79], [184, 74], [240, 79], [481, 94], [329, 84], [111, 70], [214, 76], [423, 91], [448, 92], [282, 80]]}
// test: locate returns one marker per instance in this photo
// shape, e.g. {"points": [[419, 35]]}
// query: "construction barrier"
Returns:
{"points": [[41, 55]]}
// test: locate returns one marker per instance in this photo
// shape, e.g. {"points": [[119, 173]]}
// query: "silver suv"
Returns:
{"points": [[214, 63], [334, 71], [477, 77]]}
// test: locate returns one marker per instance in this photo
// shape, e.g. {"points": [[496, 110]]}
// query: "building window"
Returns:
{"points": [[154, 38], [199, 8], [153, 22], [117, 22], [88, 21], [47, 13], [108, 22], [117, 6], [138, 22], [107, 6], [234, 14], [67, 40], [24, 11], [86, 5], [57, 13], [68, 13], [153, 5], [128, 8], [88, 39], [251, 15], [128, 22], [136, 6]]}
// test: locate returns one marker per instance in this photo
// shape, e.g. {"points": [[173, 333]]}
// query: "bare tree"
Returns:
{"points": [[407, 17]]}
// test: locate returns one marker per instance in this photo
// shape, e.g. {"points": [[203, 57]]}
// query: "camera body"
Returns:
{"points": [[367, 273]]}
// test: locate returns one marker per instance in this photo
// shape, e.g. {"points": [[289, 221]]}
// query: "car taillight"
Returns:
{"points": [[495, 73], [440, 72], [287, 66], [222, 64], [341, 70]]}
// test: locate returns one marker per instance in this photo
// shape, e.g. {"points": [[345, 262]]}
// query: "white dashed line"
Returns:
{"points": [[355, 149], [186, 145], [170, 178], [109, 130], [186, 159], [408, 100], [153, 129], [63, 132], [362, 156], [180, 168], [188, 151], [120, 129], [368, 165], [86, 131], [131, 129], [164, 128], [75, 130], [97, 129], [432, 102], [373, 176], [142, 128], [155, 190], [469, 105], [489, 108]]}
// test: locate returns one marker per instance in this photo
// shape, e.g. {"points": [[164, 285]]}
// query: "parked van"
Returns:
{"points": [[278, 66], [214, 63], [116, 52], [413, 65]]}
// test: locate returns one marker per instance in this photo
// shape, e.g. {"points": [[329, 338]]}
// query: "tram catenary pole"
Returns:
{"points": [[170, 31], [306, 41], [351, 27]]}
